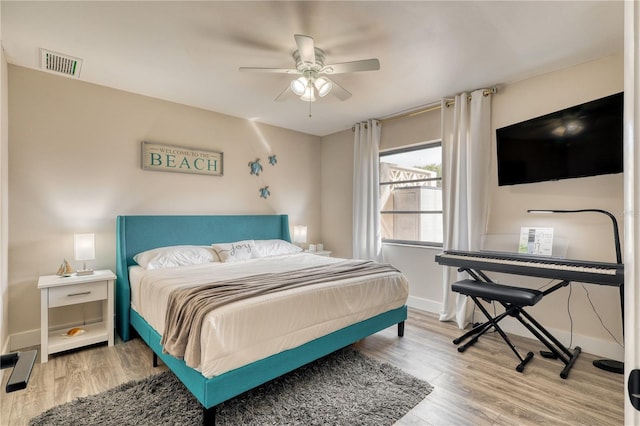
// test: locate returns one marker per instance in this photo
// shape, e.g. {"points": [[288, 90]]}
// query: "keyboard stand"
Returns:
{"points": [[601, 273], [513, 299]]}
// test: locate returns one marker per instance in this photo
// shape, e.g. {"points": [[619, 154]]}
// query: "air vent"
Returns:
{"points": [[60, 64]]}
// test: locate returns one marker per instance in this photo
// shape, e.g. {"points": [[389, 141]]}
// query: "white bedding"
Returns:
{"points": [[249, 330]]}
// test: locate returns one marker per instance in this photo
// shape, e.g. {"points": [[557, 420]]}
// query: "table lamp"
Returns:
{"points": [[300, 234], [85, 249]]}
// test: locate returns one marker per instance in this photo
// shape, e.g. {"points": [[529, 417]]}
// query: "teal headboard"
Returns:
{"points": [[138, 233]]}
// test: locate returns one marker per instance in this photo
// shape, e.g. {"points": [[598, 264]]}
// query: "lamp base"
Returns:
{"points": [[81, 272], [609, 365]]}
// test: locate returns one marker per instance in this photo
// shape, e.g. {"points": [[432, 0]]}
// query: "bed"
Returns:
{"points": [[214, 382]]}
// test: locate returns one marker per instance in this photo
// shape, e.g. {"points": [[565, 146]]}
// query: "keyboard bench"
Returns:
{"points": [[498, 292], [513, 299]]}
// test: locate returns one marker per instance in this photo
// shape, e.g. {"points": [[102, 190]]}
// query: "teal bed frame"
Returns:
{"points": [[138, 233]]}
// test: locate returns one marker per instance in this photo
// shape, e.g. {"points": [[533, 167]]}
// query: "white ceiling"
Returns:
{"points": [[190, 52]]}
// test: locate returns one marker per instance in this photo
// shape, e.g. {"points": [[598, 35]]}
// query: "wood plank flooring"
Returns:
{"points": [[478, 387]]}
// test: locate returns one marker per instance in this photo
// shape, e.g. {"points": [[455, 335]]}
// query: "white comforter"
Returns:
{"points": [[249, 330]]}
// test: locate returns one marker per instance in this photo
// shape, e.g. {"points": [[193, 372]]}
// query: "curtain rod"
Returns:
{"points": [[411, 113], [485, 92]]}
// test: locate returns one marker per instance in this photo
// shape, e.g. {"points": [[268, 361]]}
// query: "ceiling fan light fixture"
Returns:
{"points": [[309, 94], [310, 65], [299, 86], [324, 86]]}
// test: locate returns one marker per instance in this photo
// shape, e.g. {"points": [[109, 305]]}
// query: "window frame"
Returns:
{"points": [[417, 147]]}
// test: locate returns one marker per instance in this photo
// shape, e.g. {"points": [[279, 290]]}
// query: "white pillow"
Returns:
{"points": [[239, 250], [172, 256], [276, 247]]}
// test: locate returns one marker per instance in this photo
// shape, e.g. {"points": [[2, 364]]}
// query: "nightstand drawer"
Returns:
{"points": [[77, 293]]}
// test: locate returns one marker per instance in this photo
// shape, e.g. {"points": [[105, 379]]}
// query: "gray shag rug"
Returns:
{"points": [[343, 388]]}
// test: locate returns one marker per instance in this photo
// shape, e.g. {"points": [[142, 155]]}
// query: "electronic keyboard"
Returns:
{"points": [[535, 266]]}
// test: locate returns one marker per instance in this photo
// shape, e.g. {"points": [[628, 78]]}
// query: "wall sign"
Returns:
{"points": [[167, 158], [536, 241]]}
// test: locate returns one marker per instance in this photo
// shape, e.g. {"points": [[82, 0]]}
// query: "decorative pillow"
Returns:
{"points": [[276, 247], [172, 256], [239, 250]]}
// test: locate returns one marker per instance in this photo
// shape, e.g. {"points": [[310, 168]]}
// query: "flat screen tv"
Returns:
{"points": [[584, 140]]}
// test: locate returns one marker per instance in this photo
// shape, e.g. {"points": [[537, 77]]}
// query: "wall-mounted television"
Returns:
{"points": [[584, 140]]}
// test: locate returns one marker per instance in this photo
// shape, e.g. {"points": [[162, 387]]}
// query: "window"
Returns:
{"points": [[411, 195]]}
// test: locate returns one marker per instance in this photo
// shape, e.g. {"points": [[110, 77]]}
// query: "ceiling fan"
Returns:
{"points": [[314, 73]]}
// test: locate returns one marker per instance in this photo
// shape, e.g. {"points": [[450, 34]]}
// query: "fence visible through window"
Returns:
{"points": [[411, 195]]}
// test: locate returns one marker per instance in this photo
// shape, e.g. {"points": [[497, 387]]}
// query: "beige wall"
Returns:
{"points": [[416, 262], [589, 236], [412, 130], [74, 165], [337, 193], [337, 173], [424, 275]]}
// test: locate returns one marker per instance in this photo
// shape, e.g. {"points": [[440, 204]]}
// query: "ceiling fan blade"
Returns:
{"points": [[306, 48], [354, 66], [270, 70], [284, 95], [339, 91]]}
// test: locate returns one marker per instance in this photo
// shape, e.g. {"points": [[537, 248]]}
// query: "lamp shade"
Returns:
{"points": [[300, 234], [324, 86], [84, 246], [299, 85], [309, 94]]}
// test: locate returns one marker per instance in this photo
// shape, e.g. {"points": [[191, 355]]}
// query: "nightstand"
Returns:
{"points": [[56, 291], [320, 252]]}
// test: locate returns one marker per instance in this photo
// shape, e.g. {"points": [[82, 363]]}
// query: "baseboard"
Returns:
{"points": [[24, 339], [425, 305]]}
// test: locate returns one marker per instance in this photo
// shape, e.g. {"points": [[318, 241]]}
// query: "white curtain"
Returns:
{"points": [[466, 143], [367, 241]]}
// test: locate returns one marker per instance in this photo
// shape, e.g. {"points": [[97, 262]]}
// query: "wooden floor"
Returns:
{"points": [[478, 387]]}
